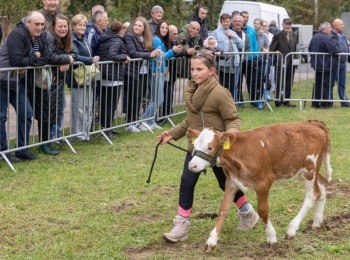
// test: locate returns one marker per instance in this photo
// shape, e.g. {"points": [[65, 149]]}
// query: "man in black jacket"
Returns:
{"points": [[200, 16], [25, 46]]}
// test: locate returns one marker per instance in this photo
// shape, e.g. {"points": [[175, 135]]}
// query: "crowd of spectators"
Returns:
{"points": [[145, 87]]}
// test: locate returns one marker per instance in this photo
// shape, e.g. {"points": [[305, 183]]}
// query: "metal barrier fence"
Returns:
{"points": [[115, 95]]}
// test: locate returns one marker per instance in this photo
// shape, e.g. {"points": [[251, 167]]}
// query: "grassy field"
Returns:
{"points": [[97, 204]]}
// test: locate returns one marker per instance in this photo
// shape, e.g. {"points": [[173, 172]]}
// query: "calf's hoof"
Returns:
{"points": [[208, 248], [289, 237]]}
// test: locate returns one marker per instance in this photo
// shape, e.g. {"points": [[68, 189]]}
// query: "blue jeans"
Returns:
{"points": [[157, 97], [339, 76], [20, 102]]}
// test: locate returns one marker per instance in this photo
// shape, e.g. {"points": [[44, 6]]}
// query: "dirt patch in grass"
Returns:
{"points": [[336, 188], [334, 229]]}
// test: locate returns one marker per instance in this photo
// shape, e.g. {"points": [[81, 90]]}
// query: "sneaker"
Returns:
{"points": [[155, 126], [132, 129], [179, 231], [11, 158], [248, 219], [143, 128]]}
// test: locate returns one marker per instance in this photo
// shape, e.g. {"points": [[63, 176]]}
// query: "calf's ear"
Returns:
{"points": [[192, 133], [227, 138]]}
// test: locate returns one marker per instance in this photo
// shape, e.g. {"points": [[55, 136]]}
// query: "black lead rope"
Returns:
{"points": [[154, 160], [155, 157]]}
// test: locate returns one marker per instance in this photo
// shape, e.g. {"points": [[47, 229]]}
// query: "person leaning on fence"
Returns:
{"points": [[49, 103], [112, 48], [81, 95], [323, 64], [284, 42], [25, 46], [138, 40], [208, 104], [339, 75], [160, 41], [229, 64], [169, 85], [190, 39], [61, 52]]}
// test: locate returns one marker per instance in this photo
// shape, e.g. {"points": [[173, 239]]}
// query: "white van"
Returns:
{"points": [[256, 10]]}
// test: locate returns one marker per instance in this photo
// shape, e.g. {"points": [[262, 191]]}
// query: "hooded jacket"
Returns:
{"points": [[207, 105], [112, 48]]}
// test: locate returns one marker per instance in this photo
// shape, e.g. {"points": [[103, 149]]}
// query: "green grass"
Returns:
{"points": [[97, 205]]}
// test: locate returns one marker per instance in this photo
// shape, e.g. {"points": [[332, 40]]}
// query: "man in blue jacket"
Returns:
{"points": [[323, 64]]}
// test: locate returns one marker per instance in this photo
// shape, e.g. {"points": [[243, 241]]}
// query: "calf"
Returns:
{"points": [[256, 158]]}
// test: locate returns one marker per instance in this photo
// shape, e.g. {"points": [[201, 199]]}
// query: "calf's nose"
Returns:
{"points": [[192, 166]]}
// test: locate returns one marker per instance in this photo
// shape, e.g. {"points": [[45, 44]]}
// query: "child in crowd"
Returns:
{"points": [[211, 45]]}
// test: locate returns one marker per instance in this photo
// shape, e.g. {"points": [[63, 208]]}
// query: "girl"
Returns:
{"points": [[208, 104], [211, 45], [160, 41], [138, 40]]}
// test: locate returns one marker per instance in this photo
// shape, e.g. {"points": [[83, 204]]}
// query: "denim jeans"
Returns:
{"points": [[20, 102], [339, 76], [157, 97]]}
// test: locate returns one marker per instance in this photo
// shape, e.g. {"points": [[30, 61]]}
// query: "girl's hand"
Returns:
{"points": [[164, 137]]}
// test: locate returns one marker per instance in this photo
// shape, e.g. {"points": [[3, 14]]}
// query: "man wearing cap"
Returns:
{"points": [[157, 15], [284, 42]]}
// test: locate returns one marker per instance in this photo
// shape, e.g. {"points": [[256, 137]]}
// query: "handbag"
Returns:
{"points": [[43, 78], [88, 73]]}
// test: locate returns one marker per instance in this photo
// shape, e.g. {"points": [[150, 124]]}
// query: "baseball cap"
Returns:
{"points": [[287, 20]]}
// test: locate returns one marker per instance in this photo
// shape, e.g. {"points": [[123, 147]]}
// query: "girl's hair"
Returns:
{"points": [[66, 42], [206, 42], [77, 19], [147, 34], [207, 59], [116, 26], [165, 39]]}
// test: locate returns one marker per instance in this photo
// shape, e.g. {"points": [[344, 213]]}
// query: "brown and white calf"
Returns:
{"points": [[256, 158]]}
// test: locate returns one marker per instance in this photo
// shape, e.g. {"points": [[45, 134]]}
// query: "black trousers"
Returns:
{"points": [[189, 180], [109, 101]]}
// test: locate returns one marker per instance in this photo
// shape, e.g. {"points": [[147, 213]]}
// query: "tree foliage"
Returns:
{"points": [[177, 11]]}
